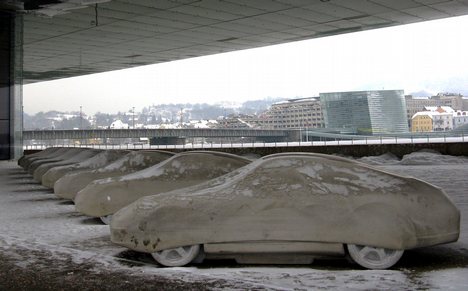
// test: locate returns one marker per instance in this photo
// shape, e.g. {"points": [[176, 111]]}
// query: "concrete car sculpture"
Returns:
{"points": [[67, 153], [40, 154], [98, 161], [67, 186], [26, 163], [291, 205], [77, 158], [102, 198]]}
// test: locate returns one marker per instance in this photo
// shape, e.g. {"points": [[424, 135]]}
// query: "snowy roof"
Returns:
{"points": [[297, 100], [118, 124], [431, 114], [170, 125], [440, 109], [200, 125]]}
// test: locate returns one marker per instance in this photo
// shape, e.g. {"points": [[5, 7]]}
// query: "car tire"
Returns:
{"points": [[106, 219], [177, 257], [200, 257], [372, 257]]}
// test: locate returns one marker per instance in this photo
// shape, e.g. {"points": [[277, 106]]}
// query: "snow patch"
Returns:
{"points": [[248, 193], [385, 159], [280, 163], [311, 171], [429, 157], [143, 174]]}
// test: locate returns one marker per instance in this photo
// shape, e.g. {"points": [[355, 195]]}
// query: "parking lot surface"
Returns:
{"points": [[46, 245]]}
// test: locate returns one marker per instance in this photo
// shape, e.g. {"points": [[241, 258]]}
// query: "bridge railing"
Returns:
{"points": [[146, 132], [355, 140]]}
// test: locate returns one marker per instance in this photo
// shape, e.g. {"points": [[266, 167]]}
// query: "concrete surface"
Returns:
{"points": [[100, 160], [70, 184], [107, 196]]}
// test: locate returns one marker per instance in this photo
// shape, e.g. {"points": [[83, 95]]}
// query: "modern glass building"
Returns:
{"points": [[365, 112]]}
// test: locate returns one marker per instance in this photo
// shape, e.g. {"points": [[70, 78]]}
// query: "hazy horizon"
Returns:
{"points": [[428, 56]]}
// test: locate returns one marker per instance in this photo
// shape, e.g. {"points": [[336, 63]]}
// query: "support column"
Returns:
{"points": [[11, 91]]}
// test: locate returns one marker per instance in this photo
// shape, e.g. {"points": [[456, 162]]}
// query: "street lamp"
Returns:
{"points": [[181, 117], [133, 116], [81, 117]]}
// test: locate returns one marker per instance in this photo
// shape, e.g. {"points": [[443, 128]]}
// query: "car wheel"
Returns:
{"points": [[106, 219], [200, 257], [372, 257], [177, 257]]}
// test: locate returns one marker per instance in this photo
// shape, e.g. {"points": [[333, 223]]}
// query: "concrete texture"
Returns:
{"points": [[293, 197], [48, 153], [69, 185], [77, 158], [102, 159], [44, 153], [104, 197], [67, 153]]}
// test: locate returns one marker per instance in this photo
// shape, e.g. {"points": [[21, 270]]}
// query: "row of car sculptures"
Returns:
{"points": [[284, 208]]}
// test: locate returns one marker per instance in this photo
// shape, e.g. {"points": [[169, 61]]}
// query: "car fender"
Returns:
{"points": [[382, 225]]}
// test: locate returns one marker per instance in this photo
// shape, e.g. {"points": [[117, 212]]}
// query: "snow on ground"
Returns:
{"points": [[422, 157], [33, 218], [447, 280], [385, 159], [429, 157]]}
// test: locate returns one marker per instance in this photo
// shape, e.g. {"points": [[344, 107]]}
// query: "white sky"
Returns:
{"points": [[428, 56]]}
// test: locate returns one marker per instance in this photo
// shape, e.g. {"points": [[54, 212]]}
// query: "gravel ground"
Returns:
{"points": [[46, 274]]}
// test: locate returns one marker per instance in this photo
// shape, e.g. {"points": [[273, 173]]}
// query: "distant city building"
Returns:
{"points": [[441, 118], [465, 103], [118, 124], [416, 104], [460, 118], [294, 113], [453, 100], [440, 109], [237, 121], [365, 112], [202, 124], [422, 122]]}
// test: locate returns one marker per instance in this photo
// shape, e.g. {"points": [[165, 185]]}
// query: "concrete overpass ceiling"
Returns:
{"points": [[121, 34]]}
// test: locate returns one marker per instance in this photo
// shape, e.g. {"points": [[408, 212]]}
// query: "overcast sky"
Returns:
{"points": [[429, 56]]}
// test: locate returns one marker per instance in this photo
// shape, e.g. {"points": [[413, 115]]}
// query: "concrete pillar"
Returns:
{"points": [[11, 89]]}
